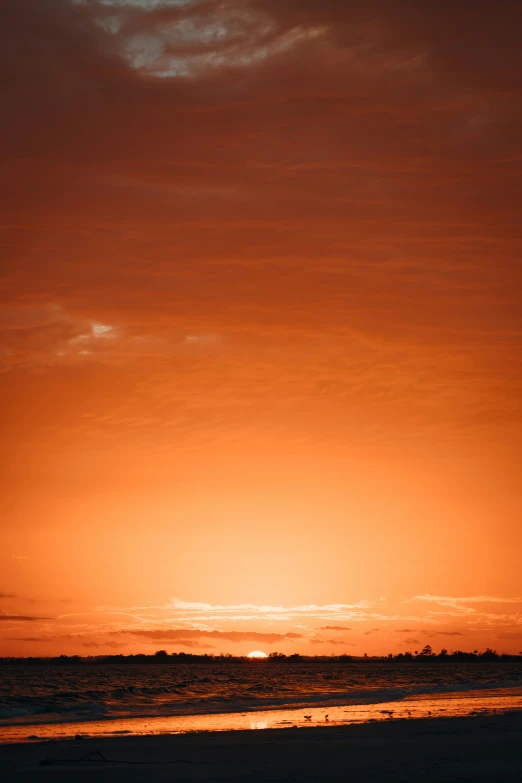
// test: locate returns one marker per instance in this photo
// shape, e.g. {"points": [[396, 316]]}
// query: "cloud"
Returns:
{"points": [[412, 641], [372, 630], [184, 634], [464, 605], [184, 41], [473, 599], [97, 645], [200, 612], [31, 638], [333, 628], [403, 630], [71, 637], [312, 609], [22, 618], [514, 635], [46, 335], [207, 616], [6, 595], [240, 83], [319, 640]]}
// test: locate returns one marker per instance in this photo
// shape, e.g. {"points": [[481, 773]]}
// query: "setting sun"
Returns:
{"points": [[257, 654]]}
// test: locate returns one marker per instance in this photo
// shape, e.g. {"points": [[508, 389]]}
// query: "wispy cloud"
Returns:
{"points": [[463, 605], [185, 606], [472, 599], [194, 612], [22, 618], [336, 642], [512, 635], [180, 634], [46, 335]]}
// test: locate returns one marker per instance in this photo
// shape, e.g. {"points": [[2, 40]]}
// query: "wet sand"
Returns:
{"points": [[482, 748]]}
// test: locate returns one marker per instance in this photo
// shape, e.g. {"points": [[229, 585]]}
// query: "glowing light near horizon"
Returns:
{"points": [[257, 654]]}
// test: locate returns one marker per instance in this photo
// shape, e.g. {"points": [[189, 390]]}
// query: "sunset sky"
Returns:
{"points": [[261, 326]]}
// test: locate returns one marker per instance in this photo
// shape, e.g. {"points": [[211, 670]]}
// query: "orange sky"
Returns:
{"points": [[261, 327]]}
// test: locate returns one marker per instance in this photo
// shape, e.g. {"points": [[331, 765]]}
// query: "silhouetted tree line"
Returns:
{"points": [[427, 654], [163, 657]]}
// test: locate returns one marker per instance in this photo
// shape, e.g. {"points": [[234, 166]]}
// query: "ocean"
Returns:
{"points": [[38, 701]]}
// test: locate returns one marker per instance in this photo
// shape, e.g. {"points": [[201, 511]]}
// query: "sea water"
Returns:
{"points": [[39, 701]]}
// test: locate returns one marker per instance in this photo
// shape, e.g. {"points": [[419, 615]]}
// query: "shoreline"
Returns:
{"points": [[444, 749], [457, 704]]}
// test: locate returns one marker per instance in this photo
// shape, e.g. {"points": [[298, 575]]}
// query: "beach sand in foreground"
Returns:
{"points": [[485, 748]]}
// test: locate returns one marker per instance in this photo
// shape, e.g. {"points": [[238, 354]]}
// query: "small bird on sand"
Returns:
{"points": [[308, 717], [326, 718]]}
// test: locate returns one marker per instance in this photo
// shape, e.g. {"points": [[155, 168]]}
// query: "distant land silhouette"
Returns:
{"points": [[426, 655]]}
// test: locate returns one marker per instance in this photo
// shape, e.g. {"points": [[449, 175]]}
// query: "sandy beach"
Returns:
{"points": [[485, 748]]}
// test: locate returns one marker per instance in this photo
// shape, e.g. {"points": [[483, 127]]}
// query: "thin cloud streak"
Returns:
{"points": [[180, 634], [22, 618], [306, 609]]}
